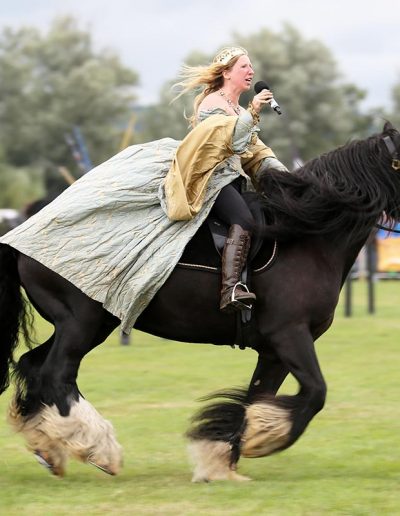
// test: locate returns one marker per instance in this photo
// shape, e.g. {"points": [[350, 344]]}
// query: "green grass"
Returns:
{"points": [[347, 462]]}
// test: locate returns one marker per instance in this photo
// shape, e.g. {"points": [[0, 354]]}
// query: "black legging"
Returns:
{"points": [[231, 208]]}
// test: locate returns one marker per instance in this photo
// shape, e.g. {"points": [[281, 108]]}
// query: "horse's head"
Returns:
{"points": [[391, 137]]}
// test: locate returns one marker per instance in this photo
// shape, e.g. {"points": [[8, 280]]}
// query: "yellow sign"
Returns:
{"points": [[388, 254]]}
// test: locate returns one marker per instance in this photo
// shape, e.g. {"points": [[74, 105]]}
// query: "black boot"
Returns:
{"points": [[234, 294]]}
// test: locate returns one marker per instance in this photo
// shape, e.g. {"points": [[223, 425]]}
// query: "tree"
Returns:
{"points": [[53, 82], [320, 111], [395, 116], [169, 118], [18, 185]]}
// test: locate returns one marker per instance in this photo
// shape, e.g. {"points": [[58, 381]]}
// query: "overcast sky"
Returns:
{"points": [[154, 36]]}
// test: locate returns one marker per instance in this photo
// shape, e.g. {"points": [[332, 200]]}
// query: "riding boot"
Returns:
{"points": [[234, 294]]}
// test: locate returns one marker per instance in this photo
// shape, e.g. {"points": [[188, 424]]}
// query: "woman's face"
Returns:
{"points": [[240, 75]]}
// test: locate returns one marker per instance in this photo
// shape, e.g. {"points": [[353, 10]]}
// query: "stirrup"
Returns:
{"points": [[236, 302]]}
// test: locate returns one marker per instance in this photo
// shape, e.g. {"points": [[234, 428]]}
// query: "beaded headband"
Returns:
{"points": [[227, 53]]}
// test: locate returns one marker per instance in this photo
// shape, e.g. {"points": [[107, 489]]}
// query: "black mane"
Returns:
{"points": [[340, 194]]}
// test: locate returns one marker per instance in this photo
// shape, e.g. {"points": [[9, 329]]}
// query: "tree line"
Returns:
{"points": [[54, 84]]}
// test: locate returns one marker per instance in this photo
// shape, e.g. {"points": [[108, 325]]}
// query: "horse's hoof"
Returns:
{"points": [[231, 475], [43, 460], [198, 479], [238, 478], [105, 469]]}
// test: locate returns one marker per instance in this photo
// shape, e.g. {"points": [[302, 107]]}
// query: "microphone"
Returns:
{"points": [[262, 85]]}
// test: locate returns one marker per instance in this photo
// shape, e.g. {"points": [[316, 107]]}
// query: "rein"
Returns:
{"points": [[387, 229]]}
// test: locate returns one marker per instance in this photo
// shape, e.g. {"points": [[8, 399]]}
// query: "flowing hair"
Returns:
{"points": [[207, 79]]}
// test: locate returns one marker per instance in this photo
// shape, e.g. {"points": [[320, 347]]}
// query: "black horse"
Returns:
{"points": [[320, 216]]}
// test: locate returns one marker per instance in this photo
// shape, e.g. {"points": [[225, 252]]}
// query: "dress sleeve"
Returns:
{"points": [[272, 162], [245, 132]]}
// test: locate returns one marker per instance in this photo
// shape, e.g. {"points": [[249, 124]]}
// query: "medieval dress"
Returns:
{"points": [[118, 232]]}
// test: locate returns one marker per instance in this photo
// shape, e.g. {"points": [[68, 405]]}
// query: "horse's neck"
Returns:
{"points": [[339, 255], [351, 252]]}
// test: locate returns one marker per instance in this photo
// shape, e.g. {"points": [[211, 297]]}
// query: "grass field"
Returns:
{"points": [[347, 462]]}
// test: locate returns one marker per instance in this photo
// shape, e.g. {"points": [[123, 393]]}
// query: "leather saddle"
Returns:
{"points": [[204, 251], [219, 230]]}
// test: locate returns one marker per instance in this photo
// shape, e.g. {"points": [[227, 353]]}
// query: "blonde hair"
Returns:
{"points": [[207, 78]]}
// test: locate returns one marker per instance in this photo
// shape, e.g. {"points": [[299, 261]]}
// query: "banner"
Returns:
{"points": [[388, 251]]}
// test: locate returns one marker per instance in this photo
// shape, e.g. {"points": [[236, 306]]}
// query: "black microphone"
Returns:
{"points": [[262, 85]]}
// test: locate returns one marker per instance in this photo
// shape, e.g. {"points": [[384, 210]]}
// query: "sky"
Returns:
{"points": [[153, 37]]}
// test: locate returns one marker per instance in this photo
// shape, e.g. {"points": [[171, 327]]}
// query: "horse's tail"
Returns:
{"points": [[14, 313]]}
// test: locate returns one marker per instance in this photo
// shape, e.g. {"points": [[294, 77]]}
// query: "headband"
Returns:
{"points": [[228, 53]]}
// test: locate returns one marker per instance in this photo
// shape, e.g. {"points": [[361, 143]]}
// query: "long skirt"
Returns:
{"points": [[108, 233]]}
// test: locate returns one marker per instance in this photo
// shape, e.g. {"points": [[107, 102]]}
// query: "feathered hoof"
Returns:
{"points": [[267, 429], [212, 461], [238, 478], [107, 457], [229, 475], [54, 463], [105, 469], [84, 435]]}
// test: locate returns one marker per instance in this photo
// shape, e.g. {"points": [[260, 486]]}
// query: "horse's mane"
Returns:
{"points": [[341, 194]]}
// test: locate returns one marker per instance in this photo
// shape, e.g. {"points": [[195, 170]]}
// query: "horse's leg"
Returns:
{"points": [[51, 454], [273, 423], [269, 374], [216, 459], [51, 405], [27, 373], [67, 417], [256, 423]]}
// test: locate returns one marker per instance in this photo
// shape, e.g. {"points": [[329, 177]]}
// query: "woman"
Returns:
{"points": [[118, 232], [231, 74]]}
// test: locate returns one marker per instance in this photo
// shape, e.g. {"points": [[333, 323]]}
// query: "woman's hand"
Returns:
{"points": [[261, 99]]}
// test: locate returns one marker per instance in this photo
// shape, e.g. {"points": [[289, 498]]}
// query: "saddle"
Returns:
{"points": [[204, 251], [262, 254], [219, 231]]}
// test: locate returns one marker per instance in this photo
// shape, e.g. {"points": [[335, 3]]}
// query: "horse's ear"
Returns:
{"points": [[387, 127]]}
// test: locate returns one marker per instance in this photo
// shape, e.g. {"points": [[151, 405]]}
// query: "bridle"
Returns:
{"points": [[395, 155]]}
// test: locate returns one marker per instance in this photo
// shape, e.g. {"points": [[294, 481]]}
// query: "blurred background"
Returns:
{"points": [[80, 81]]}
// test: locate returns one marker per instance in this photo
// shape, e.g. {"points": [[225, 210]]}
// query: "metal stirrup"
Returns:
{"points": [[236, 301]]}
